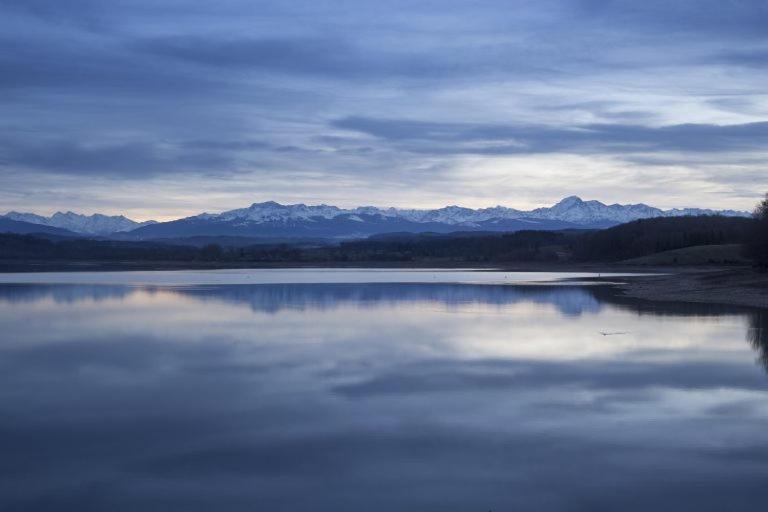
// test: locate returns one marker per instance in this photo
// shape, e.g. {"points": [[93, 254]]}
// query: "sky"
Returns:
{"points": [[167, 108]]}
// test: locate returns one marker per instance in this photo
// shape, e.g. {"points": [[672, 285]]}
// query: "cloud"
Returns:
{"points": [[326, 57], [474, 138], [750, 58], [376, 102], [226, 144], [347, 58], [740, 19], [261, 410], [446, 376], [132, 160]]}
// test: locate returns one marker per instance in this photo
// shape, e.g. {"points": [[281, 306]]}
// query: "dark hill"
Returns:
{"points": [[25, 228], [340, 227], [650, 236], [632, 240]]}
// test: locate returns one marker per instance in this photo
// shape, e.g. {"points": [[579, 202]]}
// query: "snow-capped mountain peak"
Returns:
{"points": [[26, 217], [96, 224], [571, 209], [568, 202], [312, 220], [576, 210], [272, 211]]}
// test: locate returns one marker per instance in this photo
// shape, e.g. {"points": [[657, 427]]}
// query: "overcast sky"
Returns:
{"points": [[159, 109]]}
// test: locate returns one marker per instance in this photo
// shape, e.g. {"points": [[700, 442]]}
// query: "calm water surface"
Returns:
{"points": [[374, 391]]}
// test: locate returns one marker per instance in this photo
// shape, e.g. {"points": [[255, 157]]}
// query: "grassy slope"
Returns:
{"points": [[727, 254]]}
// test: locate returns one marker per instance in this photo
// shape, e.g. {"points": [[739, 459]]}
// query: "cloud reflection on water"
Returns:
{"points": [[376, 397]]}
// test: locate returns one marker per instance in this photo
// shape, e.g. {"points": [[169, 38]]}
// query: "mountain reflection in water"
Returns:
{"points": [[386, 396]]}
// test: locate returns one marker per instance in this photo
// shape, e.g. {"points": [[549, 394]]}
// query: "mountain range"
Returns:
{"points": [[96, 224], [271, 219]]}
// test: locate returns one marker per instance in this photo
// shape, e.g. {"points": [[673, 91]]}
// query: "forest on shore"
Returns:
{"points": [[620, 243]]}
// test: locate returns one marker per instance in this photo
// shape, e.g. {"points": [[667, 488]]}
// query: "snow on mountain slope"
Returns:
{"points": [[96, 224], [571, 209], [272, 211], [574, 209], [323, 220]]}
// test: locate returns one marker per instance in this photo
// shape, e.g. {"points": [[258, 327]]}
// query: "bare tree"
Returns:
{"points": [[761, 210], [757, 246]]}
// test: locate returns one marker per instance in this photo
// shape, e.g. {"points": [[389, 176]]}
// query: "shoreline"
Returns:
{"points": [[742, 287], [20, 266], [735, 285]]}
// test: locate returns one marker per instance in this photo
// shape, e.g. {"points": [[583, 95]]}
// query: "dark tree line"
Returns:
{"points": [[519, 246], [650, 236], [33, 247]]}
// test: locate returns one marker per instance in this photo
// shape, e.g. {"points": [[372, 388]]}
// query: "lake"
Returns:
{"points": [[374, 390]]}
